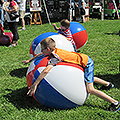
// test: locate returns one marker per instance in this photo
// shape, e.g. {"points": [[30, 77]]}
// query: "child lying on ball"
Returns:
{"points": [[64, 30], [58, 55]]}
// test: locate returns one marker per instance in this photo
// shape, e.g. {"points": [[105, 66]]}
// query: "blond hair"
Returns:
{"points": [[48, 42]]}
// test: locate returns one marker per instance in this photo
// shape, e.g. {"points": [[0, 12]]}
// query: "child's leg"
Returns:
{"points": [[106, 85], [100, 81], [98, 93]]}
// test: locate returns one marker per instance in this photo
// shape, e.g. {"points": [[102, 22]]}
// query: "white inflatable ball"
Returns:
{"points": [[63, 87]]}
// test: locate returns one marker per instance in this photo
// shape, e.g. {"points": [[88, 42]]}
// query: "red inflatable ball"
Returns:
{"points": [[4, 40], [10, 35], [79, 34]]}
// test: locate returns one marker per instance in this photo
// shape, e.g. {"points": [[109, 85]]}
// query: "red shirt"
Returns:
{"points": [[67, 33], [12, 3]]}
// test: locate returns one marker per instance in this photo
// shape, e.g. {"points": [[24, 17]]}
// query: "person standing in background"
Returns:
{"points": [[81, 4], [72, 6], [22, 6], [1, 12], [12, 7]]}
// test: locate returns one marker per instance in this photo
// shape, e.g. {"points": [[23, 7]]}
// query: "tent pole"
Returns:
{"points": [[70, 12], [116, 8], [46, 12], [102, 12]]}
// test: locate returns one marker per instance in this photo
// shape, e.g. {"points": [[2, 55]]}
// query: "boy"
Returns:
{"points": [[64, 30], [58, 55]]}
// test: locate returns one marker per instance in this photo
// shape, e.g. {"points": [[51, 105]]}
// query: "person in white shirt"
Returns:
{"points": [[22, 6], [12, 23]]}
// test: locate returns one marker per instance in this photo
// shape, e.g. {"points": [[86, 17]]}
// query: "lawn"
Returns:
{"points": [[103, 47]]}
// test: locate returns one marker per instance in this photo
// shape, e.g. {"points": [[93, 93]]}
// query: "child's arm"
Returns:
{"points": [[33, 88], [55, 27], [27, 61]]}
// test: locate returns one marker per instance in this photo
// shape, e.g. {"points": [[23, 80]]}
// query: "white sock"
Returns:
{"points": [[116, 103], [23, 28]]}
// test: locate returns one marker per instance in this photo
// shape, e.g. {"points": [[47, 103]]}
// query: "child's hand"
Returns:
{"points": [[55, 27], [54, 24], [32, 90], [25, 62]]}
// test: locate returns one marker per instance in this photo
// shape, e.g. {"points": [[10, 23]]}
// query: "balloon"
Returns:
{"points": [[79, 34], [61, 42], [63, 87]]}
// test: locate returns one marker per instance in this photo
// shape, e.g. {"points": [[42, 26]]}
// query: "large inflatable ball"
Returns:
{"points": [[79, 34], [6, 39], [10, 35], [63, 87], [61, 42]]}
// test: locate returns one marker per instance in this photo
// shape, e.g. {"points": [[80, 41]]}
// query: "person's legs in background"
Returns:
{"points": [[22, 15], [2, 16], [83, 18], [13, 29]]}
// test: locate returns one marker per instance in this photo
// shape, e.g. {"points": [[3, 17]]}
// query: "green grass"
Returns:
{"points": [[104, 48]]}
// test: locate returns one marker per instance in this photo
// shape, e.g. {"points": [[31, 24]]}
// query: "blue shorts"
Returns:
{"points": [[89, 71]]}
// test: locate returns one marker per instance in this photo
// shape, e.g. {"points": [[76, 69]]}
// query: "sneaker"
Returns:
{"points": [[12, 45], [23, 28], [107, 87], [115, 108], [78, 51]]}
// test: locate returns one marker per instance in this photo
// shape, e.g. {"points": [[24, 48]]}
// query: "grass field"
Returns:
{"points": [[104, 48]]}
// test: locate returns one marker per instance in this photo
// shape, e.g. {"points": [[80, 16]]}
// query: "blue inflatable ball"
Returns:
{"points": [[63, 87], [61, 42]]}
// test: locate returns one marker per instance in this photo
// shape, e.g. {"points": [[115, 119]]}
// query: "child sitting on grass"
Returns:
{"points": [[58, 55], [64, 30]]}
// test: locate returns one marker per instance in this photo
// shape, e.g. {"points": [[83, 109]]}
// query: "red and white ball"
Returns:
{"points": [[79, 34], [61, 42]]}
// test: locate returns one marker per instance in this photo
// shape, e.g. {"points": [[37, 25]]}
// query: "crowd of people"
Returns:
{"points": [[13, 6], [81, 7], [19, 6]]}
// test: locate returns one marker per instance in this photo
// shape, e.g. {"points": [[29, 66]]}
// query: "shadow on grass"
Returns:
{"points": [[20, 73], [115, 79], [20, 99], [114, 33]]}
